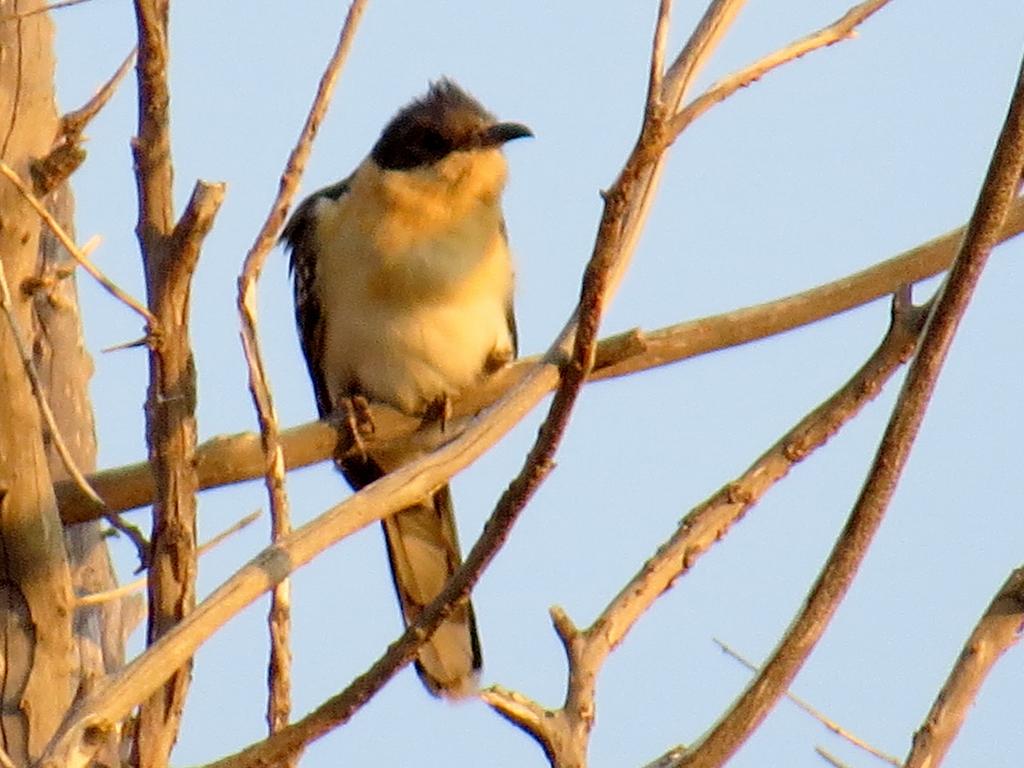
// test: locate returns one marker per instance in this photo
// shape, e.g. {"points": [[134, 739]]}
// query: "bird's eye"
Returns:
{"points": [[433, 144]]}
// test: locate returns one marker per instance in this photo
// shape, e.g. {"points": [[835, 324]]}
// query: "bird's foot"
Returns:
{"points": [[355, 418], [439, 410]]}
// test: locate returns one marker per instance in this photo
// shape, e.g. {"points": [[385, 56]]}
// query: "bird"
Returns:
{"points": [[403, 287]]}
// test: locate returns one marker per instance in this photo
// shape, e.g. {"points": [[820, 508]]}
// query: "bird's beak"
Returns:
{"points": [[499, 133]]}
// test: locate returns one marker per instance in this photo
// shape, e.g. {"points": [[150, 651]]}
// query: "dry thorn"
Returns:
{"points": [[73, 123], [134, 535], [67, 154]]}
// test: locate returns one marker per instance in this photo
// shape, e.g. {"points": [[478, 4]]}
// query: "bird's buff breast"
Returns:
{"points": [[414, 311]]}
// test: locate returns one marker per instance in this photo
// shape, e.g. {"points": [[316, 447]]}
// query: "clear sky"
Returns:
{"points": [[827, 166]]}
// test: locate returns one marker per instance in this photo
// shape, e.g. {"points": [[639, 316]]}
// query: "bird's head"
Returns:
{"points": [[447, 137]]}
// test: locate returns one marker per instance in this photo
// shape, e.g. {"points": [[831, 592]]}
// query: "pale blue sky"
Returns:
{"points": [[835, 162]]}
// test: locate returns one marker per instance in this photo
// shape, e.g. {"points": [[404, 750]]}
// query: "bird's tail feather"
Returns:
{"points": [[424, 551]]}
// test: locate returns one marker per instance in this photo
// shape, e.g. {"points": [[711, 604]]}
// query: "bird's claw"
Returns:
{"points": [[439, 410], [355, 417]]}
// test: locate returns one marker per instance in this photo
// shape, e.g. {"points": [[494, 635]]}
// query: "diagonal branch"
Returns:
{"points": [[1000, 186], [997, 630], [78, 254], [227, 459], [700, 529], [842, 29]]}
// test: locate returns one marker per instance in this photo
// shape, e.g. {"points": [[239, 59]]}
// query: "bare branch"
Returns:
{"points": [[709, 522], [997, 192], [230, 459], [77, 253], [279, 621], [712, 27], [817, 714], [997, 630], [841, 29], [113, 701], [170, 253], [655, 78]]}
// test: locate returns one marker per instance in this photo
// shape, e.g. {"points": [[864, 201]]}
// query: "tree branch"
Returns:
{"points": [[1001, 184], [230, 459], [73, 123], [78, 254], [279, 617], [816, 713], [112, 701], [707, 524], [997, 630], [842, 29], [170, 253]]}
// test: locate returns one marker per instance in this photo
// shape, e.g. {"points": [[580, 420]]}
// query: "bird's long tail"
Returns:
{"points": [[424, 550]]}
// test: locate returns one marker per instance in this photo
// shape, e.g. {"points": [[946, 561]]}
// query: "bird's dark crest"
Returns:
{"points": [[446, 119]]}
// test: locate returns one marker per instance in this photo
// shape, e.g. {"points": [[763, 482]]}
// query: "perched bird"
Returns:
{"points": [[403, 295]]}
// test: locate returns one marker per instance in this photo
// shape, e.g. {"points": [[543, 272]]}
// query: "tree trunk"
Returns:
{"points": [[51, 652]]}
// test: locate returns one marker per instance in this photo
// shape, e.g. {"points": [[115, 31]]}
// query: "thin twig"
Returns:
{"points": [[73, 123], [997, 630], [829, 758], [140, 584], [817, 714], [656, 75], [223, 460], [998, 190], [76, 252], [841, 29], [713, 25], [44, 9], [278, 619]]}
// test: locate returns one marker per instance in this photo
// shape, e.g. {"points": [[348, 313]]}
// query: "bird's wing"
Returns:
{"points": [[298, 235], [510, 309]]}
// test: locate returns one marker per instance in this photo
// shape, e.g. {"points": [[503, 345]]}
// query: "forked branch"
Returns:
{"points": [[700, 529]]}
